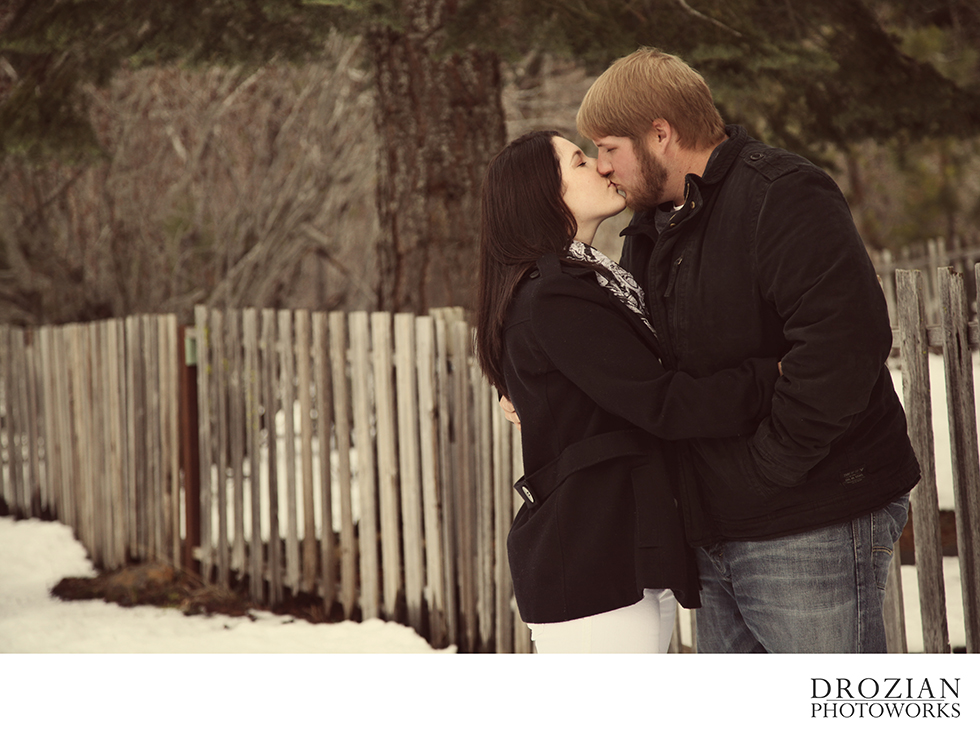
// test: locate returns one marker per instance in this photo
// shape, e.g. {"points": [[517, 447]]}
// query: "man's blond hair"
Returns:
{"points": [[647, 85]]}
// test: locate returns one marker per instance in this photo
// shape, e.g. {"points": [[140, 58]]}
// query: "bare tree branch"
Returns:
{"points": [[701, 16]]}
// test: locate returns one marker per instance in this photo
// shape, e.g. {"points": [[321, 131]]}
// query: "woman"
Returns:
{"points": [[597, 552]]}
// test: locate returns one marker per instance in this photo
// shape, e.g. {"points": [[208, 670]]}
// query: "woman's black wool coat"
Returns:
{"points": [[600, 521]]}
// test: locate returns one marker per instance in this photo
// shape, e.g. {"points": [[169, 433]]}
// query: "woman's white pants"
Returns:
{"points": [[645, 627]]}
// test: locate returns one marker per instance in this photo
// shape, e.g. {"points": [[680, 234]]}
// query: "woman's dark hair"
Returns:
{"points": [[523, 217]]}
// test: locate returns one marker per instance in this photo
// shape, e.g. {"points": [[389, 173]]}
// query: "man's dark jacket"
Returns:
{"points": [[764, 260], [600, 522]]}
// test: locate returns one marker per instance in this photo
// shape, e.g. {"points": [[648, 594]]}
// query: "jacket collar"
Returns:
{"points": [[724, 156], [719, 164]]}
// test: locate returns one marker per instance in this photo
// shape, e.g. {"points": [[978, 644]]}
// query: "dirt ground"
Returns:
{"points": [[161, 585]]}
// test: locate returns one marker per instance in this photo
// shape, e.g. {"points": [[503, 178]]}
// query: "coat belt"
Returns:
{"points": [[591, 451]]}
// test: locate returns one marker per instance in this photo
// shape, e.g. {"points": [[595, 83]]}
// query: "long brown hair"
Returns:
{"points": [[523, 217]]}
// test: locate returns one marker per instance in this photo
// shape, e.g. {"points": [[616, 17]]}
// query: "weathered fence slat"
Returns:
{"points": [[204, 378], [46, 420], [133, 435], [95, 464], [502, 511], [55, 446], [70, 468], [925, 499], [271, 405], [81, 366], [963, 445], [483, 428], [341, 392], [432, 509], [304, 386], [237, 428], [47, 385], [219, 378], [111, 477], [253, 421], [171, 361], [7, 456], [15, 421], [115, 386], [409, 468], [127, 520], [151, 427], [463, 487], [367, 489], [160, 437], [288, 396], [107, 481], [522, 634], [189, 458], [324, 422], [31, 411], [61, 432], [16, 418], [447, 478], [22, 400], [387, 470], [96, 386], [102, 405]]}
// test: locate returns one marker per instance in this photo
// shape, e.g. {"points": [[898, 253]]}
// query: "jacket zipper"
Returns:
{"points": [[677, 262], [673, 275]]}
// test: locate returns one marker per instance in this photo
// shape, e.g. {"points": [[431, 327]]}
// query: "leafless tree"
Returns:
{"points": [[229, 186]]}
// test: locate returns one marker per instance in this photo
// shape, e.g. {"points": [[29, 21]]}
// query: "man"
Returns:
{"points": [[746, 251]]}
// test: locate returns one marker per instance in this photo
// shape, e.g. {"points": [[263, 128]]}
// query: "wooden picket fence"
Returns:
{"points": [[360, 458], [198, 458], [931, 257], [956, 337], [418, 523]]}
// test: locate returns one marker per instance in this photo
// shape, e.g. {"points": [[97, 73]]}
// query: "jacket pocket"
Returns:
{"points": [[728, 470]]}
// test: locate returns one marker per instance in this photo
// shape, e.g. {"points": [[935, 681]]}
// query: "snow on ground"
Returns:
{"points": [[35, 555]]}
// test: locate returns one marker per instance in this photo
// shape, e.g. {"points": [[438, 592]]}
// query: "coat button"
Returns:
{"points": [[527, 493]]}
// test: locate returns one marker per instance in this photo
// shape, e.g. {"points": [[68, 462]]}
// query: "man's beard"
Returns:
{"points": [[653, 181]]}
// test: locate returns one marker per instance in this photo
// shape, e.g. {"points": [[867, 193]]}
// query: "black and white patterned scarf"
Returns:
{"points": [[615, 279]]}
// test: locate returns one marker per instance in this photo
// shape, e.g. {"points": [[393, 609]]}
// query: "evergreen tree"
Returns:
{"points": [[799, 74]]}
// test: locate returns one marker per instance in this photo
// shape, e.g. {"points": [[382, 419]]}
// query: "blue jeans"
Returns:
{"points": [[820, 591]]}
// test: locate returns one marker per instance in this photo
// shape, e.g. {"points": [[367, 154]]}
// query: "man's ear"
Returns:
{"points": [[660, 131]]}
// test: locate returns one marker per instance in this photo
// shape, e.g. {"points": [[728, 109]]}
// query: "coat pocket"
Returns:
{"points": [[728, 472]]}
